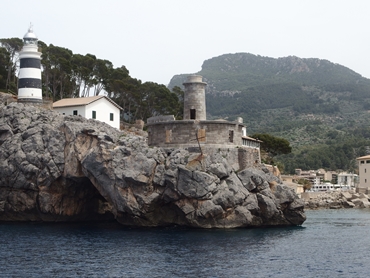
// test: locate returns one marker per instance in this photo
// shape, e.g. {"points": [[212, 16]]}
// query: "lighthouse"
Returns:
{"points": [[29, 79]]}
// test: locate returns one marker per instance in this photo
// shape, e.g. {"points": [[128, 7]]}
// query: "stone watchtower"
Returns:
{"points": [[195, 98], [199, 135]]}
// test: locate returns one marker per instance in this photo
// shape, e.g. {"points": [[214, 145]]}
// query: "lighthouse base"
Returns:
{"points": [[30, 100]]}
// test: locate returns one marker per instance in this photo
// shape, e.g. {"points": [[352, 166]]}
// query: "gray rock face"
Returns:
{"points": [[67, 168]]}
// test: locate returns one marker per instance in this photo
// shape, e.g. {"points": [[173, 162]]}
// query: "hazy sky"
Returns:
{"points": [[156, 39]]}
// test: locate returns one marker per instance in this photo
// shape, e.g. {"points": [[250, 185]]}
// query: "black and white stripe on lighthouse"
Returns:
{"points": [[29, 79]]}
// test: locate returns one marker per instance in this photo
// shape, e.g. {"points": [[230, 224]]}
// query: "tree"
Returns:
{"points": [[180, 104], [155, 99], [306, 184], [89, 61], [123, 90], [57, 71], [4, 58], [83, 73], [273, 145], [102, 71], [13, 46]]}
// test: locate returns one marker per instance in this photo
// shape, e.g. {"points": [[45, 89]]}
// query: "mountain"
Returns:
{"points": [[310, 102]]}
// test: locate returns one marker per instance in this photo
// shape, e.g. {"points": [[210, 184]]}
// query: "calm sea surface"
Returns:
{"points": [[331, 243]]}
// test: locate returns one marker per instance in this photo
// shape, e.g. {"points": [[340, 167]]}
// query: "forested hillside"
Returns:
{"points": [[67, 75], [320, 107]]}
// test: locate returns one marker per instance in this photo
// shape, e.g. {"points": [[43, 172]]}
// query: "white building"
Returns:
{"points": [[100, 108], [349, 179], [364, 173]]}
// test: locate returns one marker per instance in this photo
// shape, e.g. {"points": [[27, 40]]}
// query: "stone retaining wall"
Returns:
{"points": [[182, 133]]}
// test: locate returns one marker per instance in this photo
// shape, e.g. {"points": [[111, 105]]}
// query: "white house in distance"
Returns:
{"points": [[364, 173], [100, 108]]}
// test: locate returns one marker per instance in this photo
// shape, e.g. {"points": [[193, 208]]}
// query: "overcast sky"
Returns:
{"points": [[156, 39]]}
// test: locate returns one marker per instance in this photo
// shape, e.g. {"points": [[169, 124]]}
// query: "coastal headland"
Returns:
{"points": [[67, 168]]}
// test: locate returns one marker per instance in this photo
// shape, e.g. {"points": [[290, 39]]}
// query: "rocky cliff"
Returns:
{"points": [[67, 168]]}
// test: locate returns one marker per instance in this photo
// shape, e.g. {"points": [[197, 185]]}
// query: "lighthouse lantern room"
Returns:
{"points": [[29, 79]]}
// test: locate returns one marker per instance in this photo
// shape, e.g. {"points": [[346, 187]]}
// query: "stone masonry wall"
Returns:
{"points": [[183, 133], [238, 158]]}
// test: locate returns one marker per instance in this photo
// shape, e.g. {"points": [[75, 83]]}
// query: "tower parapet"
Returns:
{"points": [[195, 98], [29, 79]]}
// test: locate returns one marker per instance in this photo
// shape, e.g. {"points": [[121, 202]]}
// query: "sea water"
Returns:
{"points": [[331, 243]]}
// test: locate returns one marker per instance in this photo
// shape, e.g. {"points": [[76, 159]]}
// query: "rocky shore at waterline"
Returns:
{"points": [[335, 200], [67, 168]]}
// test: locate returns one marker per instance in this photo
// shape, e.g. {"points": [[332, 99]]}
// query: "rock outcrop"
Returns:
{"points": [[335, 200], [68, 168]]}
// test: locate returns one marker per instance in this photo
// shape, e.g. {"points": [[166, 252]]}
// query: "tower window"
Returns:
{"points": [[75, 113], [231, 136], [111, 116], [192, 114], [94, 114]]}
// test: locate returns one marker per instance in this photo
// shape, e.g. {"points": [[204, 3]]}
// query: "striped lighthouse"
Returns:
{"points": [[29, 78]]}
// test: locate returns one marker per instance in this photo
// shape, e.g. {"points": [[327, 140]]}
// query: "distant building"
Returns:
{"points": [[322, 180], [309, 175], [327, 176], [29, 78], [100, 108], [364, 174], [349, 179]]}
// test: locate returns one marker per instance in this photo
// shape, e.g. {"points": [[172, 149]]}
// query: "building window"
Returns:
{"points": [[75, 113], [192, 114], [168, 136], [367, 161], [111, 117], [149, 138], [231, 136], [201, 135], [94, 114], [362, 161]]}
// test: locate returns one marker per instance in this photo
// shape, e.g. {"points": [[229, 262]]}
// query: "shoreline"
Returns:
{"points": [[335, 200]]}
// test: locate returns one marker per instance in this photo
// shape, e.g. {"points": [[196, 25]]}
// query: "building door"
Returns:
{"points": [[192, 114]]}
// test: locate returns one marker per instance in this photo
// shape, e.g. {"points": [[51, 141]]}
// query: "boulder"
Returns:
{"points": [[354, 196], [348, 204], [363, 196], [346, 195], [361, 203]]}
